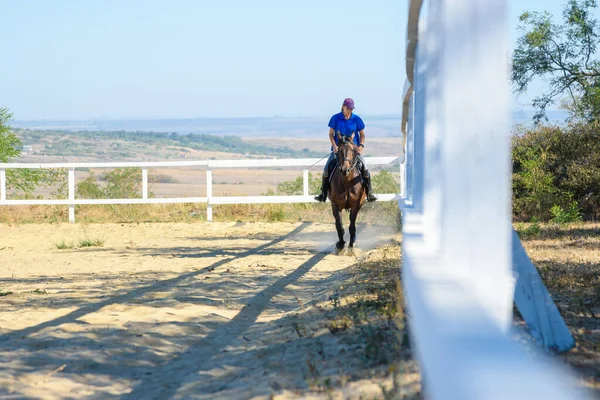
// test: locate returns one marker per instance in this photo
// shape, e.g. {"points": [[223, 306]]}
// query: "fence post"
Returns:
{"points": [[409, 159], [208, 194], [2, 184], [144, 183], [305, 181], [72, 194], [402, 179]]}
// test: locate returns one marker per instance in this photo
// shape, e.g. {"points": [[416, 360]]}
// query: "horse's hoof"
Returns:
{"points": [[340, 245]]}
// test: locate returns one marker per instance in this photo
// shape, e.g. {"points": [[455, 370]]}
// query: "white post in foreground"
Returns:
{"points": [[72, 194], [457, 271], [2, 184], [144, 183], [475, 121], [209, 194]]}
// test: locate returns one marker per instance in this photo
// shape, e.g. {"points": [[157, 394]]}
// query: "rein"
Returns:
{"points": [[305, 169]]}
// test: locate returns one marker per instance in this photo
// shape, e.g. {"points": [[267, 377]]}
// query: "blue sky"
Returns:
{"points": [[70, 59]]}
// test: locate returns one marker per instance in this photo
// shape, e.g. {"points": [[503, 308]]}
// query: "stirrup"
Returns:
{"points": [[371, 197]]}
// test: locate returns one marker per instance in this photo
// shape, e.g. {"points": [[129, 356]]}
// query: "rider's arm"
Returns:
{"points": [[362, 137], [331, 139]]}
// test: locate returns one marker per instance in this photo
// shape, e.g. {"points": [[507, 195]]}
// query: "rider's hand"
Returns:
{"points": [[359, 149], [335, 148]]}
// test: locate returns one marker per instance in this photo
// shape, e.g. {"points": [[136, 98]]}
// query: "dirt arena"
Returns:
{"points": [[176, 310]]}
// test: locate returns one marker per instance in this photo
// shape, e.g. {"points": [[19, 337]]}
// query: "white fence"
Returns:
{"points": [[463, 264], [210, 165]]}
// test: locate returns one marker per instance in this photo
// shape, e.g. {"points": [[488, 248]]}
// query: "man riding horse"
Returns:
{"points": [[346, 123]]}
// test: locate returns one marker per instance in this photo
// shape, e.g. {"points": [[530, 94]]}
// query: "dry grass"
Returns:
{"points": [[382, 213], [367, 311], [568, 258]]}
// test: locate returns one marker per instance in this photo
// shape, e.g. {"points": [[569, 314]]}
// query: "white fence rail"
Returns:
{"points": [[209, 198], [461, 260]]}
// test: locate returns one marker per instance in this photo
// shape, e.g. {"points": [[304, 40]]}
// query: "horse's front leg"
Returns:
{"points": [[337, 214], [353, 215]]}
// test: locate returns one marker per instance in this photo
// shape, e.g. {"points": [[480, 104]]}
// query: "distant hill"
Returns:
{"points": [[379, 126], [128, 145], [307, 127]]}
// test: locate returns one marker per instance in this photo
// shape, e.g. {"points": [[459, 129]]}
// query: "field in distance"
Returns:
{"points": [[63, 146]]}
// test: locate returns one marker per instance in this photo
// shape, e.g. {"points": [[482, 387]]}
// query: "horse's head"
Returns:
{"points": [[346, 154]]}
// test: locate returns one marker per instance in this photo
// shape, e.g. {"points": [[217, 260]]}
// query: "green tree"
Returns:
{"points": [[564, 56], [25, 180], [10, 144]]}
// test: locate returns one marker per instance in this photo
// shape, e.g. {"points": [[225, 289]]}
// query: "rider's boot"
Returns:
{"points": [[370, 195], [324, 190]]}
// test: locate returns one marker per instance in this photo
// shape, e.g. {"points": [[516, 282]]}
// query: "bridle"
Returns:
{"points": [[352, 162]]}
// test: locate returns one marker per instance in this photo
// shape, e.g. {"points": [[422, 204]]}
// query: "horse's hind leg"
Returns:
{"points": [[337, 214], [353, 215]]}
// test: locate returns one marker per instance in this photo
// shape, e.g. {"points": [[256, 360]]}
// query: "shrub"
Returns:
{"points": [[384, 182], [532, 231], [561, 216], [556, 167], [296, 188], [161, 178], [91, 242], [124, 183], [121, 183], [89, 188]]}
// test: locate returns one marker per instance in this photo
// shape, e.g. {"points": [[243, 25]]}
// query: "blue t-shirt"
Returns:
{"points": [[346, 127]]}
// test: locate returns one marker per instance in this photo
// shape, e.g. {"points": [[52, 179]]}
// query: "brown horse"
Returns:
{"points": [[347, 191]]}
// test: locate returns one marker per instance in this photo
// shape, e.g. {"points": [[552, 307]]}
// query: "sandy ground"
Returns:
{"points": [[204, 310]]}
